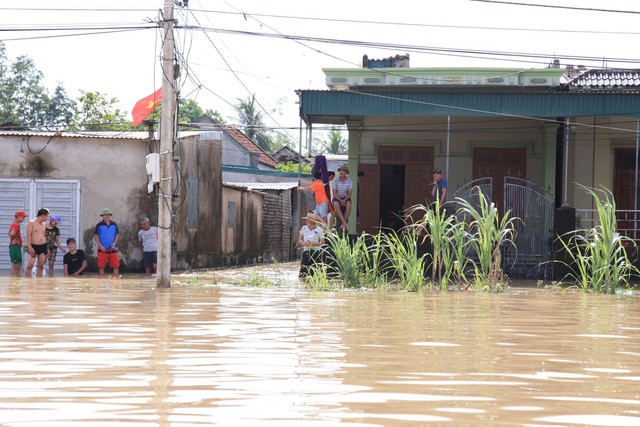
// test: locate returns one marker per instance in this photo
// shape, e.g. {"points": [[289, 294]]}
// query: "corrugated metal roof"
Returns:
{"points": [[317, 106], [607, 79], [100, 135], [257, 186]]}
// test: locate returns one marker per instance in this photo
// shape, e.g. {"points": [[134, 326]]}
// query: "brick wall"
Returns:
{"points": [[277, 225]]}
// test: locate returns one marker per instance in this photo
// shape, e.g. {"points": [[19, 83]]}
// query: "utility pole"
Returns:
{"points": [[167, 132]]}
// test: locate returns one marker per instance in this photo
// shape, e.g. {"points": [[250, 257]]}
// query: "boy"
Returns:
{"points": [[75, 261], [15, 243], [106, 236], [53, 240], [311, 238], [149, 238], [322, 201]]}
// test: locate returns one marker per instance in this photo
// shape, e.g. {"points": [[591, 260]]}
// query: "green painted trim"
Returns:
{"points": [[255, 171], [338, 106]]}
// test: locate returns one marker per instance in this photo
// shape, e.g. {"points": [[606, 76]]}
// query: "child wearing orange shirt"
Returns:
{"points": [[318, 188]]}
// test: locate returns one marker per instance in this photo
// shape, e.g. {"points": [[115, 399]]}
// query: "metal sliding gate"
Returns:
{"points": [[530, 257]]}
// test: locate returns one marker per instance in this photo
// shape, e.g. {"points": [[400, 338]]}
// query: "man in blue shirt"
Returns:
{"points": [[438, 187], [106, 236]]}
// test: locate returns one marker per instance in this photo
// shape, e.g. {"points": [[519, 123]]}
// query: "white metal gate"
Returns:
{"points": [[61, 197]]}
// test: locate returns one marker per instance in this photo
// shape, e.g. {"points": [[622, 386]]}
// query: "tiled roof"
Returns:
{"points": [[248, 144], [606, 79]]}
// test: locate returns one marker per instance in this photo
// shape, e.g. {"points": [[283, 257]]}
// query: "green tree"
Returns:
{"points": [[189, 111], [25, 101], [251, 119], [97, 112], [336, 143], [293, 168]]}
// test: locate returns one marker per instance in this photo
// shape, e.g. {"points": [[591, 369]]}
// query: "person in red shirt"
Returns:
{"points": [[318, 188], [15, 243]]}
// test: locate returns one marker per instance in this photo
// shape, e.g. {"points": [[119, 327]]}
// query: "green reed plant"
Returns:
{"points": [[488, 233], [404, 260], [456, 258], [435, 225], [345, 258], [319, 278], [375, 268], [600, 259]]}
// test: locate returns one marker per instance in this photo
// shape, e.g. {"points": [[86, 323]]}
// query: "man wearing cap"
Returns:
{"points": [[106, 236], [75, 262], [15, 243], [53, 240], [438, 188], [342, 188], [37, 242]]}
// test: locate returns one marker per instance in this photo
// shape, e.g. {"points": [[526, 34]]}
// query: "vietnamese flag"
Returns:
{"points": [[145, 106]]}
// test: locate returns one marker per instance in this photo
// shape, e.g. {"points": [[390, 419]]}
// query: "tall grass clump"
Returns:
{"points": [[345, 258], [448, 240], [488, 233], [601, 263], [375, 268], [404, 260]]}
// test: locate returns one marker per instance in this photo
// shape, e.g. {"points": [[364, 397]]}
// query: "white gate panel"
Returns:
{"points": [[61, 197], [14, 195]]}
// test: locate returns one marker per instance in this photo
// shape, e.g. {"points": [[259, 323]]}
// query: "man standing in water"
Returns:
{"points": [[37, 242], [106, 236]]}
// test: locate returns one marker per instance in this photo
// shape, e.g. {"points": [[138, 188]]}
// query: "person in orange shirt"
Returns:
{"points": [[318, 188]]}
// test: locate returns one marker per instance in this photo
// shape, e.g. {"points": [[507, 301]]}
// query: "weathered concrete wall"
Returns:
{"points": [[199, 197], [111, 173], [242, 225]]}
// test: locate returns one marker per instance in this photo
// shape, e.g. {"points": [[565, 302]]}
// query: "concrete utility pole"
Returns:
{"points": [[167, 132]]}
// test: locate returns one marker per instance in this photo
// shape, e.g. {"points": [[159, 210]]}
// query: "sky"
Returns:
{"points": [[233, 49]]}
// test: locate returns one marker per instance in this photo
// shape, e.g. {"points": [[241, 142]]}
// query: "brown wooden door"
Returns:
{"points": [[498, 163], [623, 187], [368, 199]]}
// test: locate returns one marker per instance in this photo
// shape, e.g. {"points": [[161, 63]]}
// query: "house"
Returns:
{"points": [[529, 138], [76, 175], [287, 154]]}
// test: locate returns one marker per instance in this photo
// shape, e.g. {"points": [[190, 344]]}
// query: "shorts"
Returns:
{"points": [[338, 200], [15, 253], [150, 258], [40, 249], [53, 251], [111, 257], [322, 210]]}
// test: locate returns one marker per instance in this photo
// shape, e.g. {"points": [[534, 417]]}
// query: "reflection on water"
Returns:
{"points": [[99, 352]]}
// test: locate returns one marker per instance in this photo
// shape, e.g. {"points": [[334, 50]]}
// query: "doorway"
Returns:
{"points": [[392, 182]]}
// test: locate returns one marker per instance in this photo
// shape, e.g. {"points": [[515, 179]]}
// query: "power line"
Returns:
{"points": [[589, 9], [418, 48]]}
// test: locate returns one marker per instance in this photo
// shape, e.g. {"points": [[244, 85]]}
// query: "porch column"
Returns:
{"points": [[549, 156], [355, 131]]}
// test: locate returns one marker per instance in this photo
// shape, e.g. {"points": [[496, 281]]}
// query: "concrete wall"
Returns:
{"points": [[242, 226], [111, 173], [198, 245]]}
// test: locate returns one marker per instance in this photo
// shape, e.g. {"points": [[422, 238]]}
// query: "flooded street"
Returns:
{"points": [[100, 352]]}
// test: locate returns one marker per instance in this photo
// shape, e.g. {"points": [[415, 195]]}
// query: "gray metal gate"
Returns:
{"points": [[469, 191], [533, 205]]}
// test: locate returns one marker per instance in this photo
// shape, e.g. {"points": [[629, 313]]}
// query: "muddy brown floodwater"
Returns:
{"points": [[99, 352]]}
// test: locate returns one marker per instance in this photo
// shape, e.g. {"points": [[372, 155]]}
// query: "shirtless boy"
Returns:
{"points": [[37, 242]]}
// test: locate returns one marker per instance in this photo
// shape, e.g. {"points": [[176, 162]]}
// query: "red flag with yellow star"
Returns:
{"points": [[145, 106]]}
